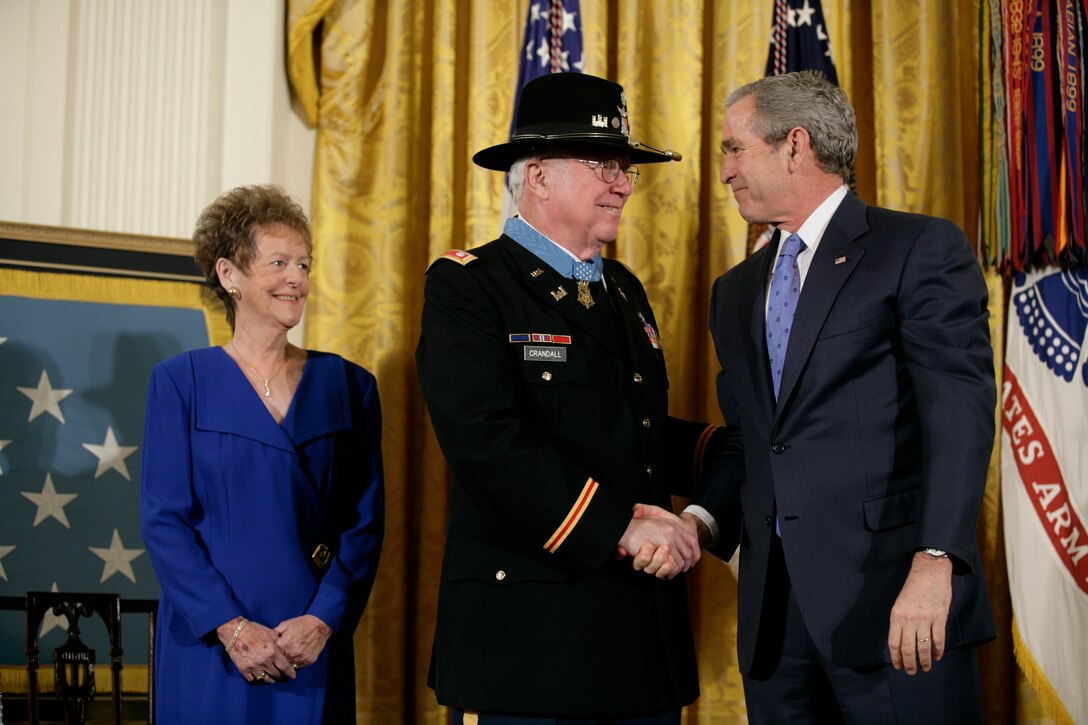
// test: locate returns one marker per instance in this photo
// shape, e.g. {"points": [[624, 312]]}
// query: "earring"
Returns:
{"points": [[234, 293]]}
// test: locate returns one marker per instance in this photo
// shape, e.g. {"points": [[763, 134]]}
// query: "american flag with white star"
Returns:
{"points": [[73, 387], [552, 43], [799, 39]]}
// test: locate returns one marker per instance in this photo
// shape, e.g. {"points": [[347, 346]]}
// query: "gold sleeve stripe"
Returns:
{"points": [[573, 516], [700, 451]]}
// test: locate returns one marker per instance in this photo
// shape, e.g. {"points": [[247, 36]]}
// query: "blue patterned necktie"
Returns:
{"points": [[781, 306], [586, 272]]}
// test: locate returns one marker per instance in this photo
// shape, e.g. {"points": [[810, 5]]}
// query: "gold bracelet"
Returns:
{"points": [[237, 631]]}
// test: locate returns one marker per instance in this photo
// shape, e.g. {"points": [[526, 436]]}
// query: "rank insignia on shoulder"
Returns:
{"points": [[456, 255]]}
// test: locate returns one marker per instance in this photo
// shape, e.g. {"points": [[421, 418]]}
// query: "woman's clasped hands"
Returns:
{"points": [[264, 655]]}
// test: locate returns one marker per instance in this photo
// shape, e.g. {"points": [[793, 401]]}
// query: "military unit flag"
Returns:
{"points": [[1044, 484]]}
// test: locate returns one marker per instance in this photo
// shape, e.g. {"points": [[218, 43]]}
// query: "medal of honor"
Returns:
{"points": [[584, 295]]}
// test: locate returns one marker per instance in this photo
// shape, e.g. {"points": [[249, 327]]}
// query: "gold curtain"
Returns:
{"points": [[403, 93]]}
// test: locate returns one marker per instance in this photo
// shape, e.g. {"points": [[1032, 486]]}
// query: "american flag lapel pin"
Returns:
{"points": [[840, 260]]}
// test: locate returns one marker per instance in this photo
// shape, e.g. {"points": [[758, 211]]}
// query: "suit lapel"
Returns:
{"points": [[321, 405], [561, 294], [832, 265], [228, 404]]}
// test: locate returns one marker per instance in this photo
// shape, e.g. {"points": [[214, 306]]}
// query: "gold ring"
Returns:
{"points": [[294, 666], [923, 640], [260, 676]]}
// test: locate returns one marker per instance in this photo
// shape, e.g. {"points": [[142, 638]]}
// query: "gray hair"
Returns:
{"points": [[515, 178], [806, 99]]}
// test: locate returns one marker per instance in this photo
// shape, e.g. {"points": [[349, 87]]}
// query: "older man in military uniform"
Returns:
{"points": [[543, 371]]}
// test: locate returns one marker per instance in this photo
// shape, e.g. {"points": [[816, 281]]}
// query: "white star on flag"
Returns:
{"points": [[117, 558], [4, 551], [50, 503], [568, 21], [804, 15], [544, 53], [46, 399], [53, 621], [3, 445], [110, 455]]}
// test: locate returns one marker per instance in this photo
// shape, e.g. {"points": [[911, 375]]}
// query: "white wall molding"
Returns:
{"points": [[130, 116]]}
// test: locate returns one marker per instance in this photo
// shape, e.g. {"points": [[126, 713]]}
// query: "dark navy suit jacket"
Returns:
{"points": [[880, 440]]}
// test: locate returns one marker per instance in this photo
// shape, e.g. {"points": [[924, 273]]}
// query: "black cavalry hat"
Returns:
{"points": [[572, 108]]}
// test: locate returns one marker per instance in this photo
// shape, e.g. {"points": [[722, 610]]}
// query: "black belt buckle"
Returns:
{"points": [[322, 556]]}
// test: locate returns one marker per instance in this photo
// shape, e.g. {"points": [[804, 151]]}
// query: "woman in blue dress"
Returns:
{"points": [[261, 499]]}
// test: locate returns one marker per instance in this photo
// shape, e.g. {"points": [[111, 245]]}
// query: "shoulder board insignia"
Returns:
{"points": [[456, 255]]}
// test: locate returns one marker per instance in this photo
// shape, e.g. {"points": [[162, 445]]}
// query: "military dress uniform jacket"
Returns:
{"points": [[554, 421]]}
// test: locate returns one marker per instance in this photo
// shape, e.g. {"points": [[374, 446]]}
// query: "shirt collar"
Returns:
{"points": [[812, 231]]}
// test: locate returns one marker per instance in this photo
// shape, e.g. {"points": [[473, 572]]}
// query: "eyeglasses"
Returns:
{"points": [[610, 170]]}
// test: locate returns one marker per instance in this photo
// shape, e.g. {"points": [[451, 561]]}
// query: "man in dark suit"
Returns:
{"points": [[858, 391], [544, 374]]}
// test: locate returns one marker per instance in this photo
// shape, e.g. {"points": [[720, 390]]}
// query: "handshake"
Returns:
{"points": [[661, 543]]}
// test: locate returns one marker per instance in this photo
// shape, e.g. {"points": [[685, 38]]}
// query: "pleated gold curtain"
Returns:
{"points": [[403, 93]]}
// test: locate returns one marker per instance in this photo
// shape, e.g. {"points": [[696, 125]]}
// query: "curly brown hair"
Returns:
{"points": [[228, 228]]}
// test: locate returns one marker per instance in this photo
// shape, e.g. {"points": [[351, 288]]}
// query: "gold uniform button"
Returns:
{"points": [[645, 422], [546, 375], [500, 575], [637, 377]]}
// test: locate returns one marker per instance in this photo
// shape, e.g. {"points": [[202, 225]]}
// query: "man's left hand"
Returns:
{"points": [[916, 636]]}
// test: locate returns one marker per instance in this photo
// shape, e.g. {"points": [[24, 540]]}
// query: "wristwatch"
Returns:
{"points": [[935, 553]]}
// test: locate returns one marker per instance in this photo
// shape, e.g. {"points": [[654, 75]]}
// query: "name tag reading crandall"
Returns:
{"points": [[545, 353]]}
